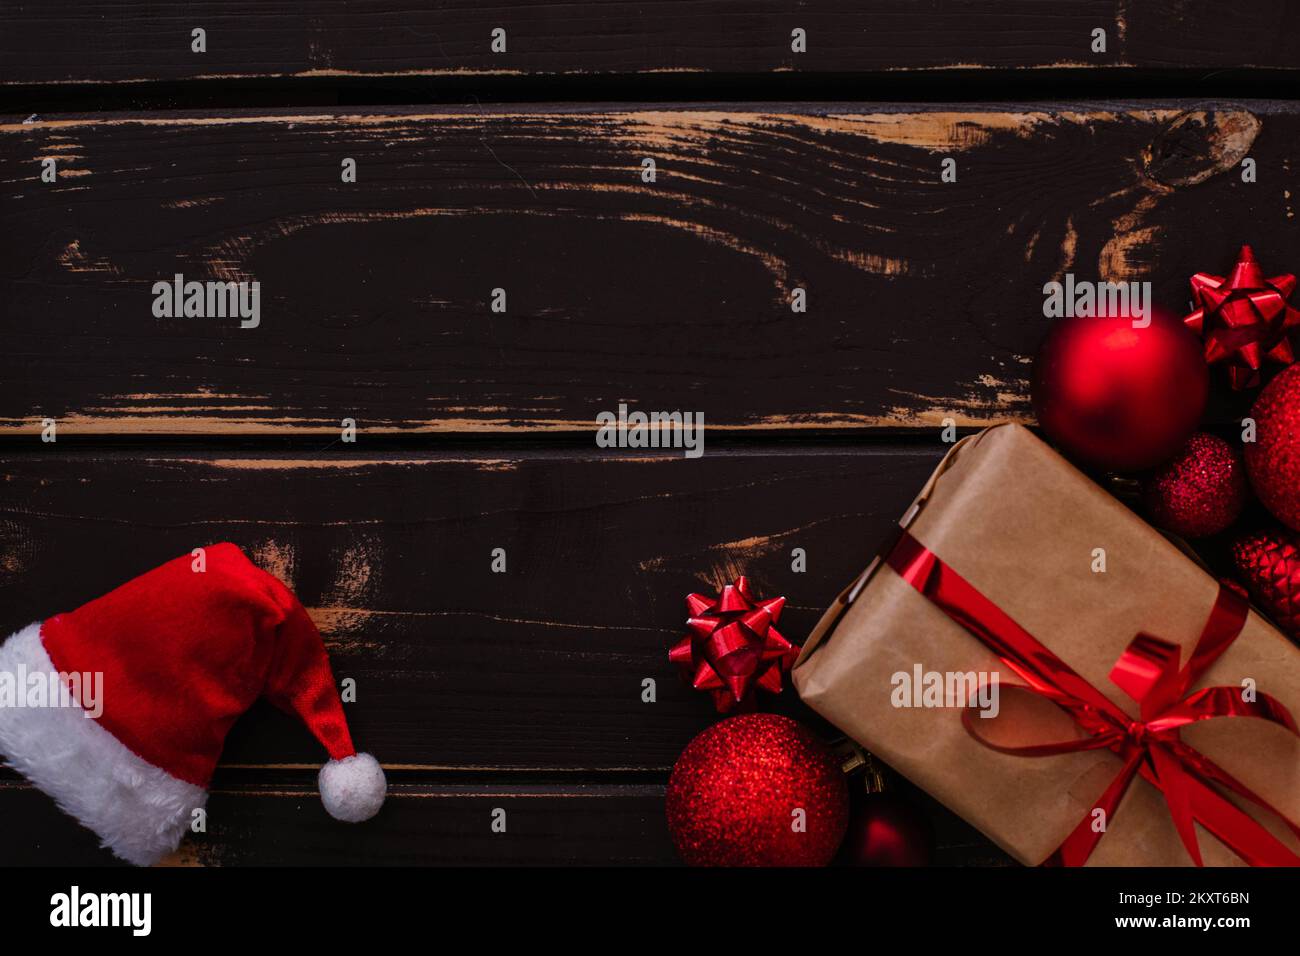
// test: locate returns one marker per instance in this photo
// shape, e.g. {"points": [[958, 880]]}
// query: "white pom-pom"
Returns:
{"points": [[353, 789]]}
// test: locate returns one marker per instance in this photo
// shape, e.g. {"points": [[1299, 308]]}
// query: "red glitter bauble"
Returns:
{"points": [[885, 830], [1273, 458], [1117, 395], [1200, 492], [737, 789]]}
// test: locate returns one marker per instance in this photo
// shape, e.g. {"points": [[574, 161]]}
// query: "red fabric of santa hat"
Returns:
{"points": [[178, 654]]}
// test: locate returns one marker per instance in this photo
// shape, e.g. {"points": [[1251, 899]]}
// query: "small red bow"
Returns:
{"points": [[1148, 672], [733, 645], [1245, 319]]}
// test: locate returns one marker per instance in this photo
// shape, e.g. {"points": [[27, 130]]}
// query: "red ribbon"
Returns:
{"points": [[1150, 746], [734, 646], [1245, 319]]}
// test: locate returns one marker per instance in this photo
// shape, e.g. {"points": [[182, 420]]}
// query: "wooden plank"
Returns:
{"points": [[597, 824], [924, 297], [286, 824], [127, 41], [283, 823], [456, 666]]}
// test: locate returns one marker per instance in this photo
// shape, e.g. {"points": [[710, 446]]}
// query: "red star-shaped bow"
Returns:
{"points": [[1245, 319], [733, 645]]}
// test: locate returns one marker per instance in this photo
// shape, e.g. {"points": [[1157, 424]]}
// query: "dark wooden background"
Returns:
{"points": [[523, 690]]}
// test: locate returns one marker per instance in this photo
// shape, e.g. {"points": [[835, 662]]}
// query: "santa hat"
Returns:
{"points": [[183, 651]]}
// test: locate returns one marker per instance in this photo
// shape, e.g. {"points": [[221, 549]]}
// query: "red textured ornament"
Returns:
{"points": [[1273, 458], [1120, 396], [734, 792], [1269, 563], [1245, 319], [1200, 492], [733, 646], [886, 830]]}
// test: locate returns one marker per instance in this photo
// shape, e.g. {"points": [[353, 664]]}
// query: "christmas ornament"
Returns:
{"points": [[1201, 491], [182, 654], [1244, 319], [733, 645], [757, 790], [1118, 395], [1269, 563], [884, 828], [1273, 458]]}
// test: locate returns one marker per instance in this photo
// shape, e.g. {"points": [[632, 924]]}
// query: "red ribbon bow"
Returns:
{"points": [[1147, 672], [733, 645], [1244, 318]]}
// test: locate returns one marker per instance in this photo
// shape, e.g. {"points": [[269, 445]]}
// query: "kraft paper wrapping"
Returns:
{"points": [[1021, 524]]}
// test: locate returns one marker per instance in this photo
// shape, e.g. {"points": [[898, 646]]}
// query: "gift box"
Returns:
{"points": [[1122, 672]]}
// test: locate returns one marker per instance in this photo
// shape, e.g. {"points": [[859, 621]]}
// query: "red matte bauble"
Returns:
{"points": [[757, 790], [886, 830], [1269, 563], [1200, 492], [1120, 396], [1273, 458]]}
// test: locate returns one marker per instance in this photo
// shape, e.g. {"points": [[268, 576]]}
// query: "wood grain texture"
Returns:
{"points": [[283, 823], [456, 666], [477, 690], [286, 824], [523, 690], [924, 298], [127, 41]]}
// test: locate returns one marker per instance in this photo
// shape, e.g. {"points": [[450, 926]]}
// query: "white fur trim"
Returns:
{"points": [[139, 811], [353, 789]]}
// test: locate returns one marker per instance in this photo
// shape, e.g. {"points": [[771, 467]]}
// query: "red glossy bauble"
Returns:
{"points": [[757, 790], [1273, 458], [1120, 396], [886, 830], [1200, 492]]}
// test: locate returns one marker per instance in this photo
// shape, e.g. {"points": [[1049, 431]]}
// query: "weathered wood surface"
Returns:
{"points": [[477, 689], [126, 41], [285, 824], [523, 690], [457, 666], [924, 297], [282, 822]]}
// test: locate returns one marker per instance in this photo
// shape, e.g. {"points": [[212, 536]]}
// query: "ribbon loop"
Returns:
{"points": [[1148, 672]]}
